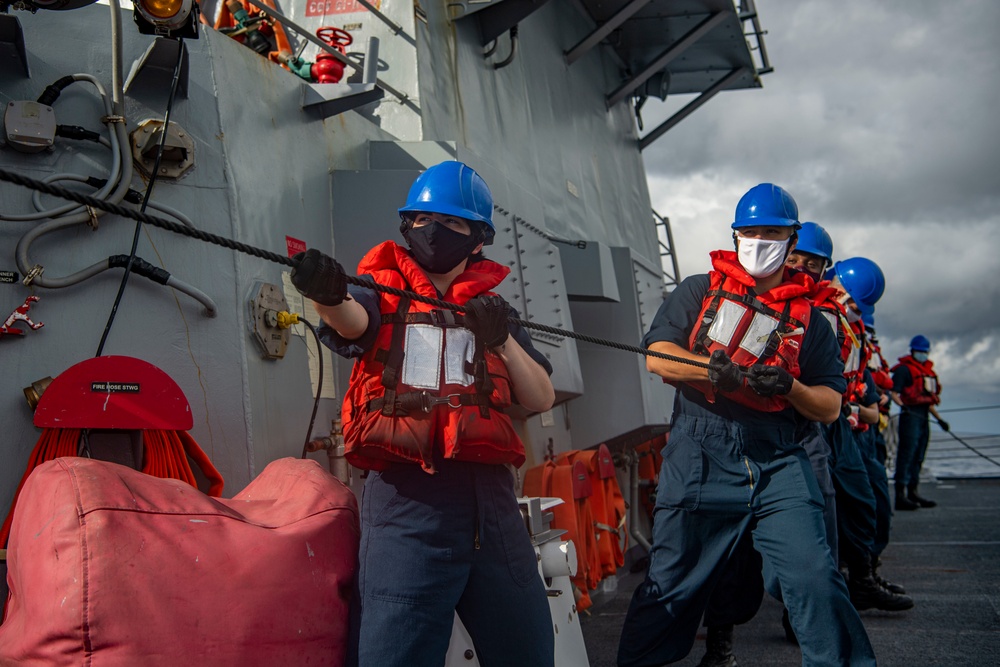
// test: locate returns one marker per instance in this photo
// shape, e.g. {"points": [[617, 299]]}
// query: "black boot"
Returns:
{"points": [[885, 583], [902, 502], [787, 625], [914, 498], [719, 647], [867, 594]]}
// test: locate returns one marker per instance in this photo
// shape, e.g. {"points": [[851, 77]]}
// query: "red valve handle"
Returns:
{"points": [[335, 36]]}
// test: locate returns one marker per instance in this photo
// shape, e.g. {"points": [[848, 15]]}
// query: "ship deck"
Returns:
{"points": [[947, 557]]}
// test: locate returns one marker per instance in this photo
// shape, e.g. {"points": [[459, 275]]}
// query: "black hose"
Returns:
{"points": [[78, 133], [140, 267], [513, 50], [145, 200], [53, 91], [319, 386]]}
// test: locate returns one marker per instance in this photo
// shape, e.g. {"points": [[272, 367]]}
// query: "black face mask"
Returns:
{"points": [[438, 249]]}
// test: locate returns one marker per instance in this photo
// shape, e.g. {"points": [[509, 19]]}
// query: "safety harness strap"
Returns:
{"points": [[484, 384], [421, 401], [750, 301], [441, 318], [393, 359]]}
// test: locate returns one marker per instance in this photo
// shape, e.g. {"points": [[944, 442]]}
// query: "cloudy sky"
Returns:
{"points": [[882, 118]]}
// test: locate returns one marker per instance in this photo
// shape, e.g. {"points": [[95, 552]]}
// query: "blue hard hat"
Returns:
{"points": [[452, 188], [868, 317], [920, 344], [767, 205], [814, 240], [862, 279]]}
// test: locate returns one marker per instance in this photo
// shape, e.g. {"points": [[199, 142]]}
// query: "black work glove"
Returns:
{"points": [[319, 277], [944, 425], [486, 317], [769, 381], [723, 373]]}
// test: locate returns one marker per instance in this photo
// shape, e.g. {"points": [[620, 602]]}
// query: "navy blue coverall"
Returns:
{"points": [[856, 523], [914, 433], [738, 595], [867, 443], [432, 545], [727, 470]]}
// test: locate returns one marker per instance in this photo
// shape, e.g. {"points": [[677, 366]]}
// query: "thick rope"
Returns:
{"points": [[177, 228]]}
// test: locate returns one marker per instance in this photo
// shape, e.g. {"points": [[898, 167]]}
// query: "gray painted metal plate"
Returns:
{"points": [[661, 23]]}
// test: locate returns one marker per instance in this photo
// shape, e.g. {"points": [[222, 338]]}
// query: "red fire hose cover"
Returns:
{"points": [[113, 568], [114, 392]]}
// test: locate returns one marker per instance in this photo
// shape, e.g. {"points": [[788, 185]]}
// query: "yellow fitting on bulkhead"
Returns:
{"points": [[287, 319]]}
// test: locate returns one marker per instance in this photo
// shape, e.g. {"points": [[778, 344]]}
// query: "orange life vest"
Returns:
{"points": [[569, 480], [879, 369], [427, 384], [854, 351], [765, 328], [925, 388]]}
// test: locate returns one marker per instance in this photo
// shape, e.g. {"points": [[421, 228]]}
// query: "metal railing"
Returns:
{"points": [[668, 260], [748, 12]]}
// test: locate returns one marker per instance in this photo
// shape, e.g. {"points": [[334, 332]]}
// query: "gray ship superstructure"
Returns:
{"points": [[541, 98]]}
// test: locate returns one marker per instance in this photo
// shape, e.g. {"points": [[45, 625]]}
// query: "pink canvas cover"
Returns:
{"points": [[108, 567]]}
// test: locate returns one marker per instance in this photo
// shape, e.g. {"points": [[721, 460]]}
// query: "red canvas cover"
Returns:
{"points": [[108, 567]]}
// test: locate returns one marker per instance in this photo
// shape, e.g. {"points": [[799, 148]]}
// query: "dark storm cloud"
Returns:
{"points": [[883, 120], [875, 111]]}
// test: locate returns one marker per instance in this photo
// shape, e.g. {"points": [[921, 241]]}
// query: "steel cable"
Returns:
{"points": [[177, 228], [971, 448]]}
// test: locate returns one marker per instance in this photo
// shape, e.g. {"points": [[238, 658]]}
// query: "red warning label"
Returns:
{"points": [[328, 7]]}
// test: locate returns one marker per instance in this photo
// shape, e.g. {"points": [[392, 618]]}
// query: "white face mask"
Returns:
{"points": [[762, 257], [852, 315]]}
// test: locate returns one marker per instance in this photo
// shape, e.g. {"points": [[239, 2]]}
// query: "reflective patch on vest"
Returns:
{"points": [[853, 362], [726, 321], [930, 384], [758, 334], [832, 319], [459, 346], [875, 361], [423, 346]]}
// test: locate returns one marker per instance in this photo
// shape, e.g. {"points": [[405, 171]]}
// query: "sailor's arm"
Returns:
{"points": [[868, 413], [530, 381], [322, 279], [674, 371], [901, 379], [815, 403], [817, 394], [671, 328], [349, 319]]}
